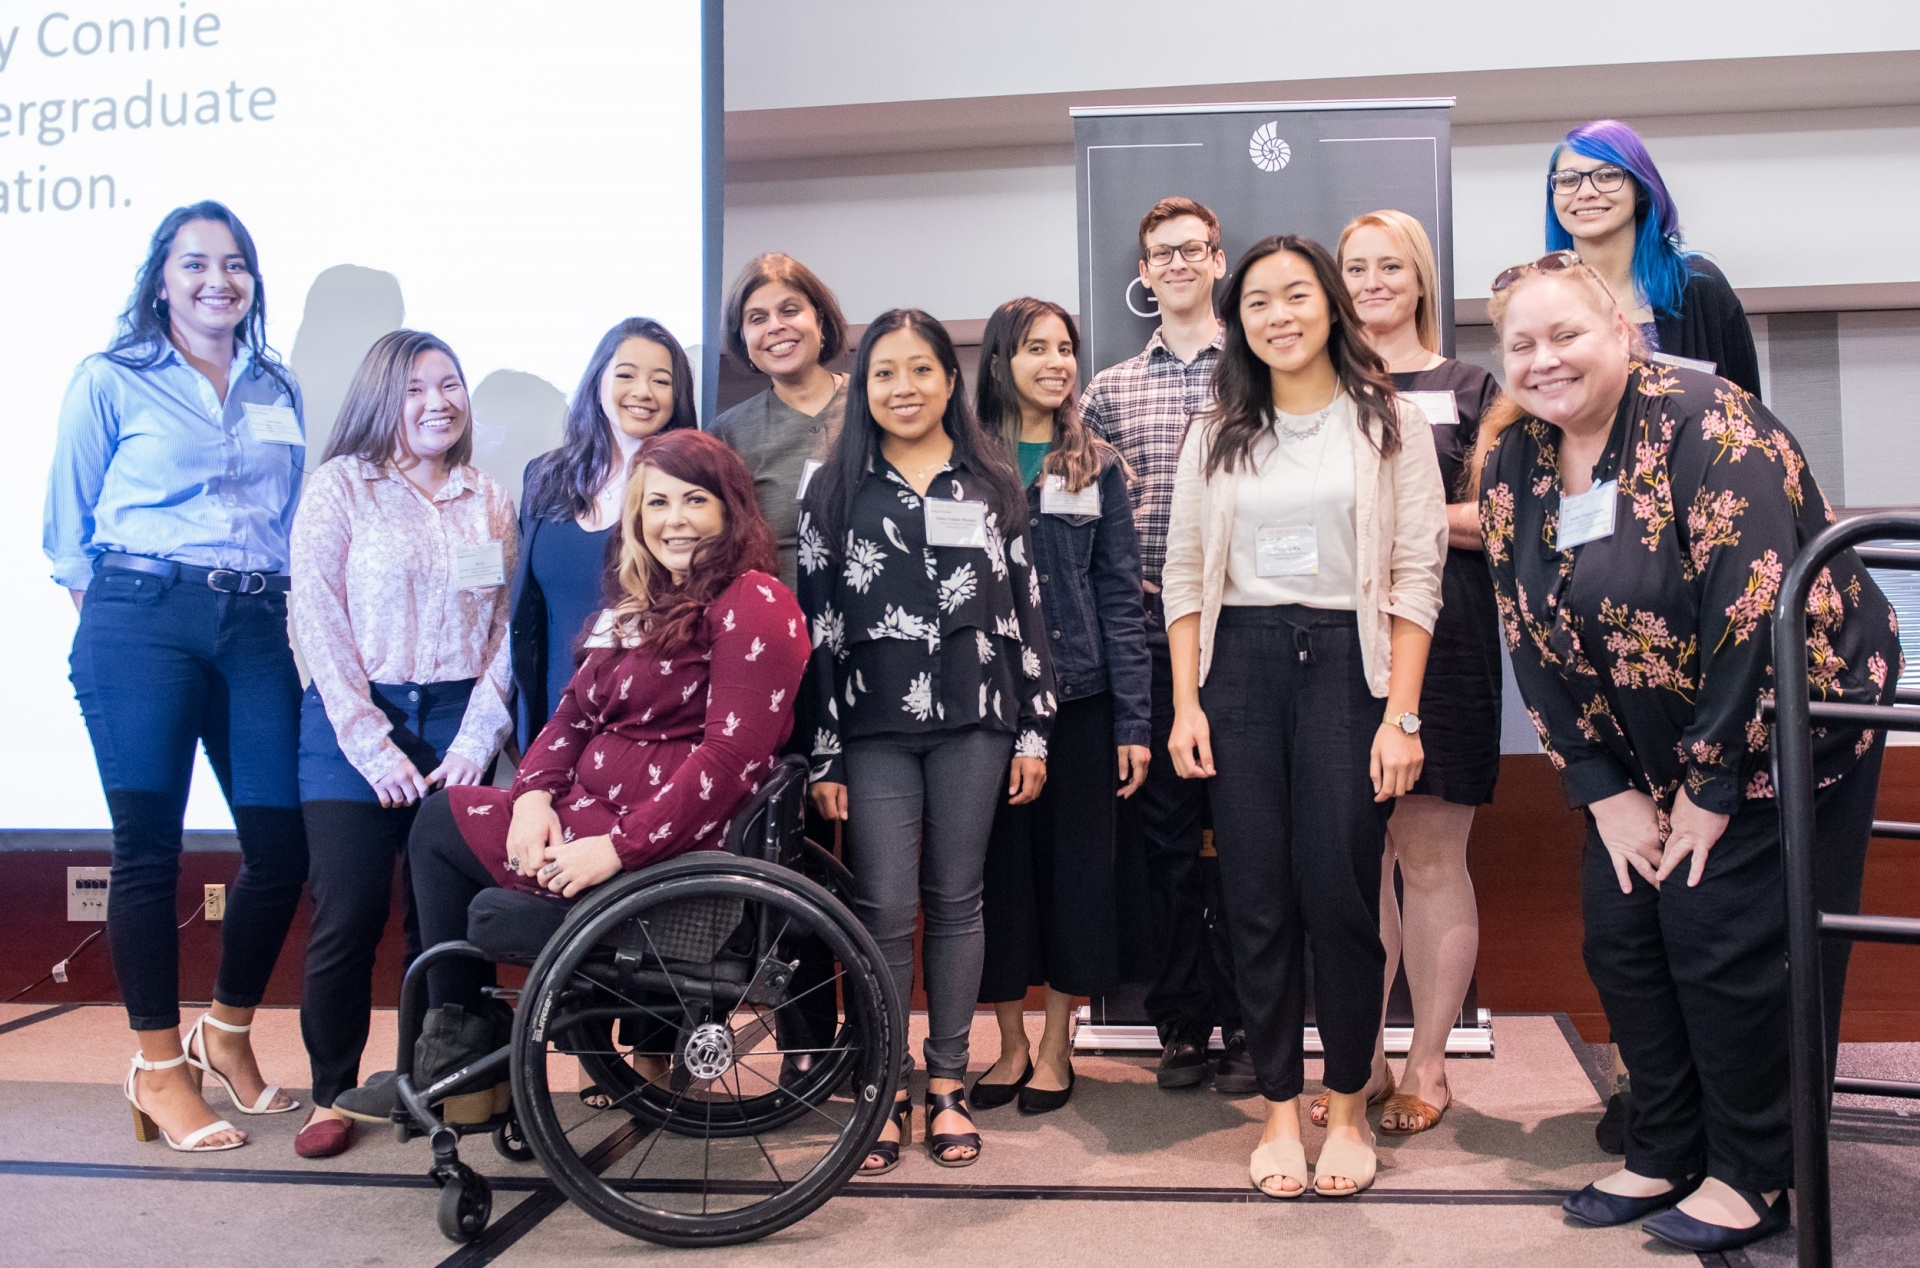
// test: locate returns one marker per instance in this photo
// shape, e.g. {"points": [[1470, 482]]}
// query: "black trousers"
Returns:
{"points": [[1191, 989], [446, 876], [1048, 904], [1299, 836], [1694, 983]]}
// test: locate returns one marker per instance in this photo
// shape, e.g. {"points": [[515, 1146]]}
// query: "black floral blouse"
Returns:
{"points": [[914, 638], [1643, 656]]}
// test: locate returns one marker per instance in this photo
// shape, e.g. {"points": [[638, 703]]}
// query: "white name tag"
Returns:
{"points": [[1056, 500], [1286, 550], [951, 523], [479, 564], [1588, 516], [1439, 407], [806, 477], [274, 424], [1684, 363]]}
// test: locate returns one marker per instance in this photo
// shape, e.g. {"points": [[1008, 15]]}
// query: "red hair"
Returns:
{"points": [[648, 603]]}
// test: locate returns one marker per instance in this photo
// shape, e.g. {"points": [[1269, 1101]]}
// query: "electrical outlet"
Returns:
{"points": [[87, 893], [216, 902]]}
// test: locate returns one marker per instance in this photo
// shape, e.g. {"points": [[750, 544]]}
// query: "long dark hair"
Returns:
{"points": [[565, 481], [141, 338], [858, 445], [647, 602], [1075, 453], [1243, 385], [369, 425]]}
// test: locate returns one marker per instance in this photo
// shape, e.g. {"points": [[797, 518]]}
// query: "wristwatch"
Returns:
{"points": [[1408, 722]]}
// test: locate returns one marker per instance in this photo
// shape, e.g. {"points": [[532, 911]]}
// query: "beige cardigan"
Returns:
{"points": [[1400, 520]]}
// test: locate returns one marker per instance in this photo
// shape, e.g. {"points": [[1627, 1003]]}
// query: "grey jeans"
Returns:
{"points": [[919, 813]]}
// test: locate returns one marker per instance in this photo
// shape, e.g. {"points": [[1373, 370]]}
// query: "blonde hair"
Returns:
{"points": [[1412, 238]]}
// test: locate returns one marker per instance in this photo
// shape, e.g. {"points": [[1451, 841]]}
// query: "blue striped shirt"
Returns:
{"points": [[151, 462]]}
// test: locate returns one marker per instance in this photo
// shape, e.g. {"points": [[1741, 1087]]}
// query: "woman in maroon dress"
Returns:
{"points": [[676, 713]]}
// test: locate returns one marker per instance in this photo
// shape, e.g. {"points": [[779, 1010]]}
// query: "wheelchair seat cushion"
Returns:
{"points": [[513, 926]]}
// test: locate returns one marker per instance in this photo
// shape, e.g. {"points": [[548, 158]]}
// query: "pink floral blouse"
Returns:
{"points": [[378, 596]]}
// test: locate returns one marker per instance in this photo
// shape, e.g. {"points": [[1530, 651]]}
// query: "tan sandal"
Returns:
{"points": [[1406, 1105], [1345, 1160], [1279, 1160], [1317, 1107]]}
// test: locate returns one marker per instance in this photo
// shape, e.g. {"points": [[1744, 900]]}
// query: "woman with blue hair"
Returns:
{"points": [[1605, 200]]}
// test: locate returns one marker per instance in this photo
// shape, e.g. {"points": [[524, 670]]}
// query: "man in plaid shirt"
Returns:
{"points": [[1142, 407]]}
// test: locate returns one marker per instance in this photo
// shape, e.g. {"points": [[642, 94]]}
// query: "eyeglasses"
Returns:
{"points": [[1551, 263], [1192, 252], [1606, 179]]}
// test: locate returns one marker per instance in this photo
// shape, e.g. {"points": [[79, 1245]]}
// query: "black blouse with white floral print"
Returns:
{"points": [[1642, 656], [913, 638]]}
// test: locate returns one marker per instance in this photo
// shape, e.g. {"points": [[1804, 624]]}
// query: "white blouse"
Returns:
{"points": [[1298, 494]]}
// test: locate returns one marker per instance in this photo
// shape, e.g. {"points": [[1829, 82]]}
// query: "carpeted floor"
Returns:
{"points": [[1126, 1174]]}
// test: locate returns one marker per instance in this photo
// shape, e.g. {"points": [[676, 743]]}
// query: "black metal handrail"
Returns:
{"points": [[1794, 714]]}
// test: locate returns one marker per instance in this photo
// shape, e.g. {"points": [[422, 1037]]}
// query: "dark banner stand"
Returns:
{"points": [[1304, 167]]}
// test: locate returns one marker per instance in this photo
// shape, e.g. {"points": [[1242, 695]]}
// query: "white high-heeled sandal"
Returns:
{"points": [[196, 1056], [145, 1129]]}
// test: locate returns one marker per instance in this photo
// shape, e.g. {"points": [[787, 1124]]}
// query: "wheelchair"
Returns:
{"points": [[739, 1126]]}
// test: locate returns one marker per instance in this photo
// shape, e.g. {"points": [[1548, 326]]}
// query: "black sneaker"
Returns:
{"points": [[1233, 1072], [1183, 1063]]}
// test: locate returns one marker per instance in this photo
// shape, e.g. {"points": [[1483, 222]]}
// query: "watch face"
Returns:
{"points": [[1410, 723]]}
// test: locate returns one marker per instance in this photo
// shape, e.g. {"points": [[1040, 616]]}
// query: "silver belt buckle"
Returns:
{"points": [[248, 583]]}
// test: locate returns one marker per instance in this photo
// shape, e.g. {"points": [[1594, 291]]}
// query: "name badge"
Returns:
{"points": [[1587, 517], [806, 477], [274, 424], [951, 523], [1440, 407], [1684, 363], [479, 564], [1056, 500], [1286, 550]]}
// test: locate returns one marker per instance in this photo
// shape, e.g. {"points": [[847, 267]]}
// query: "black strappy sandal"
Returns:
{"points": [[938, 1143], [888, 1151]]}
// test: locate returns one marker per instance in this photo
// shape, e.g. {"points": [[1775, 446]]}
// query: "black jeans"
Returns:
{"points": [[1299, 836], [446, 876], [159, 668], [1192, 988], [1694, 983]]}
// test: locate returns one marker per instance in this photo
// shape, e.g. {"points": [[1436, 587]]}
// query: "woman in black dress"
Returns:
{"points": [[1389, 268], [1638, 520]]}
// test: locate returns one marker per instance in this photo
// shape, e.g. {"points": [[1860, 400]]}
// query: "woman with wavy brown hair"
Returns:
{"points": [[1301, 586]]}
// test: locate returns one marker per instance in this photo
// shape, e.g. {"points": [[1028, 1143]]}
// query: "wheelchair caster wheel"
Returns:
{"points": [[466, 1203], [511, 1142]]}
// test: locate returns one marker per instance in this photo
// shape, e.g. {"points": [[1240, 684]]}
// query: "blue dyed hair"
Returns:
{"points": [[1659, 255]]}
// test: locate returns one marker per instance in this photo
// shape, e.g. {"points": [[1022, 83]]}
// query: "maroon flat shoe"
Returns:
{"points": [[324, 1138]]}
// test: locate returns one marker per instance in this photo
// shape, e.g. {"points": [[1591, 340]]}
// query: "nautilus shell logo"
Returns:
{"points": [[1268, 152]]}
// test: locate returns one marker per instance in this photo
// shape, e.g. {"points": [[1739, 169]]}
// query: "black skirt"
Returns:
{"points": [[1460, 700]]}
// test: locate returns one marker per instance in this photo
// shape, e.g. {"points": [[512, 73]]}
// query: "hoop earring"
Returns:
{"points": [[159, 307]]}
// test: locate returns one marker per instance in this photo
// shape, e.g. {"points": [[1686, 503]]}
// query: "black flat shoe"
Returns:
{"points": [[1609, 1210], [1677, 1228], [1035, 1100], [1183, 1063], [988, 1096], [939, 1143], [1233, 1073]]}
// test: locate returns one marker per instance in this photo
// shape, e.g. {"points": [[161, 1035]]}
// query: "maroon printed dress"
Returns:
{"points": [[658, 752]]}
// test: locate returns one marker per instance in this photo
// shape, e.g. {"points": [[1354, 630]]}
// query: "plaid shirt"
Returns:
{"points": [[1142, 407]]}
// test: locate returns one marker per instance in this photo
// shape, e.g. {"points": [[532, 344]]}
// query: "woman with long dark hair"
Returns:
{"points": [[400, 563], [930, 681], [1049, 901], [169, 504], [1301, 586], [638, 383]]}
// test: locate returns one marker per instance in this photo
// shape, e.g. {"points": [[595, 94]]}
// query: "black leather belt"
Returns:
{"points": [[225, 580]]}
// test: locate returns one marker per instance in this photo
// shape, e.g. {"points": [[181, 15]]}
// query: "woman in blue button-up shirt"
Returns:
{"points": [[168, 507]]}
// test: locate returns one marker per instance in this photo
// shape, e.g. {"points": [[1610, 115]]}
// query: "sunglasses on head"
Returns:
{"points": [[1552, 262]]}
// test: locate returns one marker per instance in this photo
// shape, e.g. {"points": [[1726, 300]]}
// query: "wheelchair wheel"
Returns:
{"points": [[466, 1203], [713, 1148]]}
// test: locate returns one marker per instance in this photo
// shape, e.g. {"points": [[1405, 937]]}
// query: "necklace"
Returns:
{"points": [[1302, 426]]}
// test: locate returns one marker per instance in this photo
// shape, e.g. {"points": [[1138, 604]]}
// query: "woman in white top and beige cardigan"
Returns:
{"points": [[1301, 585]]}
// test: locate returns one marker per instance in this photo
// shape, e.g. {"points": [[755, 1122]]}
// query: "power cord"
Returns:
{"points": [[58, 973]]}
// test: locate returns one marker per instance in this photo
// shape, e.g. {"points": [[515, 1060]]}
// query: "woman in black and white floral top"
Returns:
{"points": [[932, 687]]}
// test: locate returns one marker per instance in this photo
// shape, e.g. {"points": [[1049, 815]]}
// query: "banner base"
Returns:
{"points": [[1462, 1041]]}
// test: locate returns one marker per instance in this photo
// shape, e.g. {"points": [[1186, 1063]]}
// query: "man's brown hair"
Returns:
{"points": [[1172, 209]]}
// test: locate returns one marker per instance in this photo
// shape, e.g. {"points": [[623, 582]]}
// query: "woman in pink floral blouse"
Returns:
{"points": [[1638, 519]]}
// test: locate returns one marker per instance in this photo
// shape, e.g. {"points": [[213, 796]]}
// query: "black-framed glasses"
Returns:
{"points": [[1606, 179], [1192, 252], [1553, 262]]}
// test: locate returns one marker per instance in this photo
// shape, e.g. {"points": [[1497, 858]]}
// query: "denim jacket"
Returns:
{"points": [[1091, 599]]}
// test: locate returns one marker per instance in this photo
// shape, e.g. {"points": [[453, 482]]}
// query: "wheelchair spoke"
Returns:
{"points": [[809, 1106], [647, 933], [634, 1004], [758, 1143], [758, 969]]}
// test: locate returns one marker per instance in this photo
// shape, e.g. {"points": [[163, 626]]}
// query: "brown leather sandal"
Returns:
{"points": [[1406, 1105], [1317, 1107]]}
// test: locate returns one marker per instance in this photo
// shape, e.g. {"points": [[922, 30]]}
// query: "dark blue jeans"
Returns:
{"points": [[161, 666], [354, 843]]}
